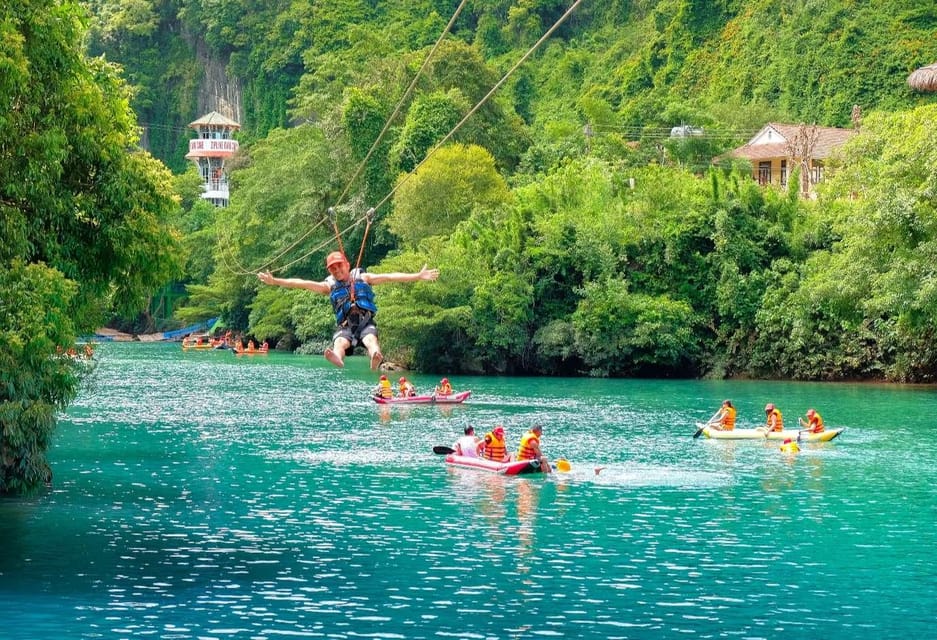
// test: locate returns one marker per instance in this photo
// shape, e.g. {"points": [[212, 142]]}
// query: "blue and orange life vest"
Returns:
{"points": [[341, 296]]}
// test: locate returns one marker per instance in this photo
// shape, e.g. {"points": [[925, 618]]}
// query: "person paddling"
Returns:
{"points": [[468, 444], [774, 421], [814, 423], [353, 301], [725, 419]]}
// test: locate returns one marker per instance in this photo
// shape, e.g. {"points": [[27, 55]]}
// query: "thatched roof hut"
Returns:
{"points": [[924, 79]]}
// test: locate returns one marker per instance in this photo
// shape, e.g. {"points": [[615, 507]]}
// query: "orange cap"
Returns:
{"points": [[336, 257]]}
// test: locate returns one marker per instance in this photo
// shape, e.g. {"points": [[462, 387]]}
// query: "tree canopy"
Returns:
{"points": [[83, 220]]}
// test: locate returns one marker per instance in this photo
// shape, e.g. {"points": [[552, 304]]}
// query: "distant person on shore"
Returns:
{"points": [[468, 444], [530, 448], [353, 302], [814, 423], [725, 419], [774, 420], [493, 446]]}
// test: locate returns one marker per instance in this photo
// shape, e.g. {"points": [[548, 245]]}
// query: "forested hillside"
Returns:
{"points": [[574, 235]]}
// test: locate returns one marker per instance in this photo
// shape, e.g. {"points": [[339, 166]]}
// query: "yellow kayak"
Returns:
{"points": [[761, 434]]}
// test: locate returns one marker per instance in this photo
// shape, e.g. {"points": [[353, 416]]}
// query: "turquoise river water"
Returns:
{"points": [[209, 496]]}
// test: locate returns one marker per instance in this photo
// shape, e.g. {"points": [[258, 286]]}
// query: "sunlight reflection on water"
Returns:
{"points": [[209, 497]]}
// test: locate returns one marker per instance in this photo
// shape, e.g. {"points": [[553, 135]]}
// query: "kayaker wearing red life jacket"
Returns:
{"points": [[353, 302], [774, 420], [814, 423], [494, 447], [530, 448]]}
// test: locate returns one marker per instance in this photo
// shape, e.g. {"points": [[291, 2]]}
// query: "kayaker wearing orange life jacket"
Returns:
{"points": [[530, 448], [725, 419], [384, 389], [406, 388], [814, 422], [774, 420], [444, 388], [494, 447]]}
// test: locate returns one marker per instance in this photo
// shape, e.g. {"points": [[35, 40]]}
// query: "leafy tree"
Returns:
{"points": [[443, 192], [872, 287], [620, 333], [83, 221], [430, 119]]}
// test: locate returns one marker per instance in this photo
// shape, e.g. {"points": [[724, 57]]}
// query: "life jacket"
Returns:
{"points": [[445, 389], [384, 389], [790, 447], [526, 451], [728, 422], [779, 425], [816, 424], [341, 297], [495, 449]]}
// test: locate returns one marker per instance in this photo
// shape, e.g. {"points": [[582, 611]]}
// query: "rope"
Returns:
{"points": [[368, 216], [363, 163], [401, 102]]}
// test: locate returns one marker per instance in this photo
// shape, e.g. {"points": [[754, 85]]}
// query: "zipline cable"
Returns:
{"points": [[363, 163], [468, 115], [481, 102], [400, 103]]}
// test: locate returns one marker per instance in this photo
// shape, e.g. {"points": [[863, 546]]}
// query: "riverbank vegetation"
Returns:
{"points": [[574, 235]]}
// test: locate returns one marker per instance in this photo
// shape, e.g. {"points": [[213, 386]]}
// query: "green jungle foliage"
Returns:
{"points": [[574, 234], [84, 222]]}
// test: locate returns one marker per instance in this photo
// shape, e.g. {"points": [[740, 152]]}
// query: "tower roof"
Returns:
{"points": [[213, 118]]}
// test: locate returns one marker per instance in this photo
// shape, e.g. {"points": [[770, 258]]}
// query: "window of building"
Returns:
{"points": [[816, 172], [764, 172]]}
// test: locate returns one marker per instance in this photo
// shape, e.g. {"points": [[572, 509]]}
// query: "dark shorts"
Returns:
{"points": [[354, 333]]}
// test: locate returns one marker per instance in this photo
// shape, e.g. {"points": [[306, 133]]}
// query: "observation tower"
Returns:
{"points": [[209, 150]]}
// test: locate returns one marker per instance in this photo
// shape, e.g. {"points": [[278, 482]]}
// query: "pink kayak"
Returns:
{"points": [[435, 398], [513, 468]]}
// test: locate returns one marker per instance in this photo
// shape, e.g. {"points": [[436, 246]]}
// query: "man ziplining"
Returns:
{"points": [[353, 301]]}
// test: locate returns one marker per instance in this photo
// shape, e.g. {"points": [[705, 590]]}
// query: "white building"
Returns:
{"points": [[209, 150]]}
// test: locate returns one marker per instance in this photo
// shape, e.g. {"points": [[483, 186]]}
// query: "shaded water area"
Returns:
{"points": [[203, 495]]}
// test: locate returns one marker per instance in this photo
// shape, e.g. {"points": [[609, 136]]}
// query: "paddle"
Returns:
{"points": [[442, 450], [708, 422]]}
